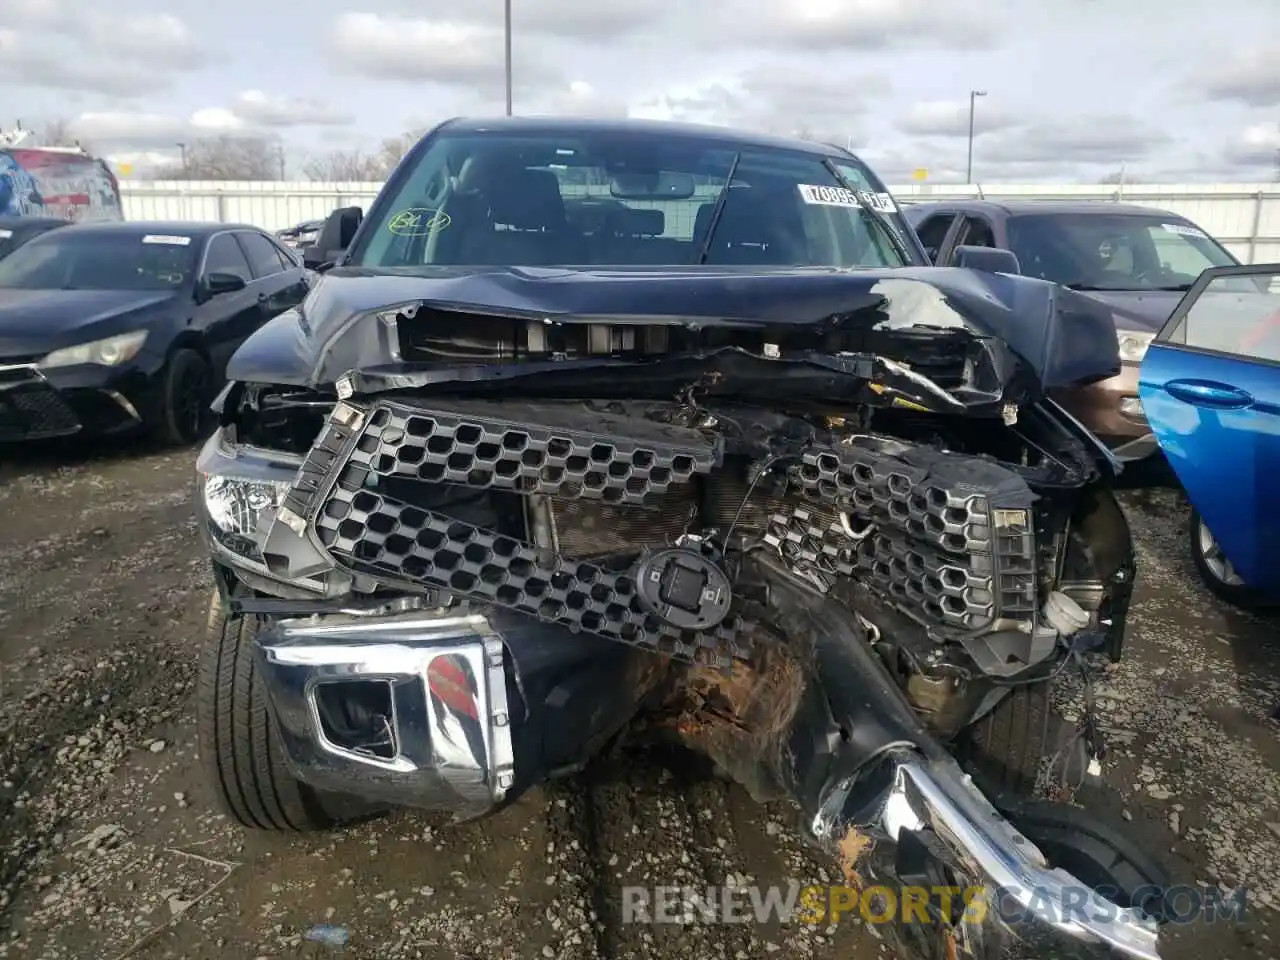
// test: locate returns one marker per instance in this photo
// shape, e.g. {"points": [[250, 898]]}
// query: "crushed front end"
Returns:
{"points": [[816, 563]]}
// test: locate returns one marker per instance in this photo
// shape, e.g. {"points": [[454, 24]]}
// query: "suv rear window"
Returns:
{"points": [[625, 199]]}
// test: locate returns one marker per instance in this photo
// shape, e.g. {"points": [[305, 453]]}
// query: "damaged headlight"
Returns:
{"points": [[239, 491], [239, 511]]}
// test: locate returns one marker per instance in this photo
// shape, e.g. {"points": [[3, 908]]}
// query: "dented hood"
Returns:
{"points": [[1022, 336]]}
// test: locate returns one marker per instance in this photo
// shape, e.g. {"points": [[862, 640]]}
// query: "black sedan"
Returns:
{"points": [[108, 327], [15, 231]]}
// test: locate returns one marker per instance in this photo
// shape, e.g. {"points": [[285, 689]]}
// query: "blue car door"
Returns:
{"points": [[1210, 388]]}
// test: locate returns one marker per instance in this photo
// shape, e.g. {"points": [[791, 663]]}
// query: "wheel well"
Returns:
{"points": [[187, 340]]}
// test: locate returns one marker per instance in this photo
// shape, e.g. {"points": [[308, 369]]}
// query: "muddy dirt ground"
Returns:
{"points": [[111, 847]]}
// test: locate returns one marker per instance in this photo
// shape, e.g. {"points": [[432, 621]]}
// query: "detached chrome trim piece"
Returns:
{"points": [[1056, 914], [449, 725]]}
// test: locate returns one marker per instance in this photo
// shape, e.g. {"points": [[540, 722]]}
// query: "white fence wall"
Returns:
{"points": [[1244, 216]]}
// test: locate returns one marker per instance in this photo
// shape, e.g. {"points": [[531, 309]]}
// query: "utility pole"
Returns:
{"points": [[280, 158], [973, 100], [507, 38], [183, 147]]}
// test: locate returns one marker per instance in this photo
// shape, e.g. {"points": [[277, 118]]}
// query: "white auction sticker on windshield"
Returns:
{"points": [[164, 238], [827, 196], [5, 234], [1185, 231], [879, 201]]}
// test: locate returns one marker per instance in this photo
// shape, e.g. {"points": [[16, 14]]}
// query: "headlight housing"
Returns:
{"points": [[108, 352], [239, 511], [239, 490], [1133, 346]]}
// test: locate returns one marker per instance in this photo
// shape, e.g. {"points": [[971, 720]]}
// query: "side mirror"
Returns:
{"points": [[216, 283], [986, 259], [335, 236]]}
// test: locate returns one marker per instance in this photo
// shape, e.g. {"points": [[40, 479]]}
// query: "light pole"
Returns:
{"points": [[507, 38], [183, 148], [973, 100]]}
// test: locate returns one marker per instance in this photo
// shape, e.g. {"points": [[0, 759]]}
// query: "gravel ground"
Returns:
{"points": [[110, 846]]}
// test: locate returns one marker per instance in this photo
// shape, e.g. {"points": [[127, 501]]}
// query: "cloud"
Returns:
{"points": [[1252, 78], [1109, 139], [950, 118], [264, 110], [251, 114], [1256, 146], [32, 13], [859, 25], [45, 44], [412, 50], [1076, 150], [158, 40], [774, 98], [34, 65]]}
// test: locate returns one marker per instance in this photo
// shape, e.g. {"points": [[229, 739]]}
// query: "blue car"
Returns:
{"points": [[1210, 388]]}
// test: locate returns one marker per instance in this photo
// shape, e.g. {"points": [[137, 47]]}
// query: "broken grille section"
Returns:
{"points": [[381, 536], [948, 537], [522, 447]]}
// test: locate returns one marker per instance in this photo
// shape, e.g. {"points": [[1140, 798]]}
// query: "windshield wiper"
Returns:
{"points": [[716, 211], [895, 241]]}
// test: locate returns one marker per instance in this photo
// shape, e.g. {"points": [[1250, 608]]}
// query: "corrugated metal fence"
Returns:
{"points": [[1244, 216]]}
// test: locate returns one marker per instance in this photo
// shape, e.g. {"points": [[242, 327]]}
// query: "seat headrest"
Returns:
{"points": [[527, 200]]}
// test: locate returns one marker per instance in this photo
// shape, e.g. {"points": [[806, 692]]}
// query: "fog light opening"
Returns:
{"points": [[356, 715]]}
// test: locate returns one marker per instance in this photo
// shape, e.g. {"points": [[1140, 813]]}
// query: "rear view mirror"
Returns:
{"points": [[335, 236], [659, 185], [986, 259]]}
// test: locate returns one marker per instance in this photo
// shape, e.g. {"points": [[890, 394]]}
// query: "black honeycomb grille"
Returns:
{"points": [[381, 536], [533, 448], [947, 537]]}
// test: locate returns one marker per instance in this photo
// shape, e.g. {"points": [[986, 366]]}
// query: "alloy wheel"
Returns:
{"points": [[1215, 560]]}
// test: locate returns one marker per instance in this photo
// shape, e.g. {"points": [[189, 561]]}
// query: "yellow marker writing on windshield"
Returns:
{"points": [[418, 222]]}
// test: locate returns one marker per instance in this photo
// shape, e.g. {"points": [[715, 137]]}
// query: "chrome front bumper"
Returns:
{"points": [[1026, 900], [449, 729]]}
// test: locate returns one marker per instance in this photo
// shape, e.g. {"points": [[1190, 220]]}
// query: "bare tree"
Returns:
{"points": [[229, 158], [394, 148], [1116, 176], [344, 165]]}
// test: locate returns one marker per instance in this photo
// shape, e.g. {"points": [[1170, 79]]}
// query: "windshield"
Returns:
{"points": [[67, 259], [1100, 251], [610, 199]]}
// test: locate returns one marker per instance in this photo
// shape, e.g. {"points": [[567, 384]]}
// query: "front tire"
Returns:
{"points": [[240, 748], [1216, 570], [186, 390], [1007, 750]]}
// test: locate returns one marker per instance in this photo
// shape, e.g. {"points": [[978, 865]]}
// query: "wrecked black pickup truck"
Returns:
{"points": [[769, 488]]}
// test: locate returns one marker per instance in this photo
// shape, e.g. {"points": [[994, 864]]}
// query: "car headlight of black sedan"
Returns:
{"points": [[108, 352]]}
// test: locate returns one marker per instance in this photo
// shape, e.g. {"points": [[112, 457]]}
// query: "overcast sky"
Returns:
{"points": [[1173, 90]]}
